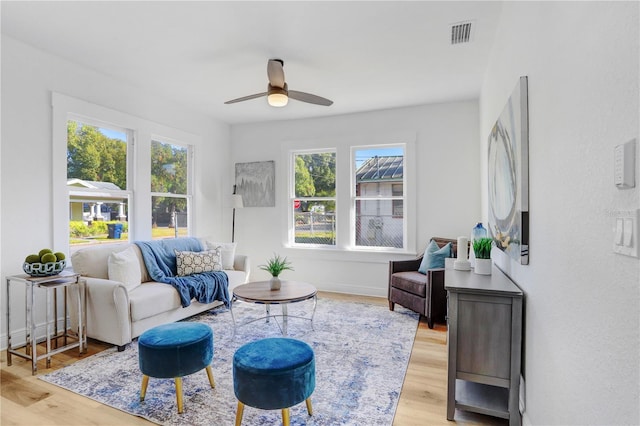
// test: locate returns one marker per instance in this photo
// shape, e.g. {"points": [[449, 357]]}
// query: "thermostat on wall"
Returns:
{"points": [[624, 165]]}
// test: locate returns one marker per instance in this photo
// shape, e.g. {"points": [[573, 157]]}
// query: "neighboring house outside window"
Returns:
{"points": [[87, 206], [379, 199], [376, 217], [97, 164], [104, 180]]}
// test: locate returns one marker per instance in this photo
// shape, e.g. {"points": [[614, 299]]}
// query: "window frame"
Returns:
{"points": [[345, 249], [138, 178], [355, 197], [292, 197], [189, 191], [107, 193]]}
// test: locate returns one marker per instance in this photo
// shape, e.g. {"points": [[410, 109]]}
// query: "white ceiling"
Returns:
{"points": [[362, 55]]}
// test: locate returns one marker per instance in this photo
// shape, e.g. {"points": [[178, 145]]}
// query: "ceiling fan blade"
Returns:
{"points": [[275, 72], [309, 98], [246, 98]]}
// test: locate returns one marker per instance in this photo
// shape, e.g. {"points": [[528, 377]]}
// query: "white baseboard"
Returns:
{"points": [[19, 336], [352, 289]]}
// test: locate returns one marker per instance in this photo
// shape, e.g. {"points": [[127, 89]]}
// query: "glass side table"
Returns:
{"points": [[65, 281]]}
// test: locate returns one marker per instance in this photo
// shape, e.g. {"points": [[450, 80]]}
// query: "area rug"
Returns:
{"points": [[361, 350]]}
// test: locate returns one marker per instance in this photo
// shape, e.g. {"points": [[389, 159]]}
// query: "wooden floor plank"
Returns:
{"points": [[26, 400]]}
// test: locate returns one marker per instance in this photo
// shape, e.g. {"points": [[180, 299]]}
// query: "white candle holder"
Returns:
{"points": [[462, 263]]}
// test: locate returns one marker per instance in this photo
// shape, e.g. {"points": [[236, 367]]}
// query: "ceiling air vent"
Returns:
{"points": [[461, 32]]}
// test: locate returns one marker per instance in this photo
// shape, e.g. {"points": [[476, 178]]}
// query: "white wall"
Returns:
{"points": [[582, 334], [447, 198], [28, 78]]}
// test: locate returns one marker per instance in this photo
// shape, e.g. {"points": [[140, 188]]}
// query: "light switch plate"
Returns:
{"points": [[625, 232], [624, 165]]}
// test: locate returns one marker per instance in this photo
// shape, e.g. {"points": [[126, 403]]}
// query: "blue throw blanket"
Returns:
{"points": [[160, 258]]}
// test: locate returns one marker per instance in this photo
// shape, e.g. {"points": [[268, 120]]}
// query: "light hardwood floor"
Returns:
{"points": [[25, 400]]}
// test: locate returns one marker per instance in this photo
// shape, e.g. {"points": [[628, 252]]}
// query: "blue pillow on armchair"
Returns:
{"points": [[434, 256]]}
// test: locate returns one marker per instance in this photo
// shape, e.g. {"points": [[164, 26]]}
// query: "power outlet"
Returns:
{"points": [[521, 396]]}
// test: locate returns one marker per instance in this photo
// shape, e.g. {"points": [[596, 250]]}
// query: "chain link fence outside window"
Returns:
{"points": [[379, 231], [315, 228]]}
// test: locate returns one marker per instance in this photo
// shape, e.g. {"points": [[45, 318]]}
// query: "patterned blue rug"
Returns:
{"points": [[361, 350]]}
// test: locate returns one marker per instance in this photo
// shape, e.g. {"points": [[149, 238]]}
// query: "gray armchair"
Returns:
{"points": [[424, 294]]}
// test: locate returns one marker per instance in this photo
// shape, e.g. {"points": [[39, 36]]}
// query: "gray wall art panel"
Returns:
{"points": [[256, 183]]}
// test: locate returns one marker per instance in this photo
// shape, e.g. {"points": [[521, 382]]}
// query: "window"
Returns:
{"points": [[102, 176], [378, 196], [375, 195], [170, 194], [97, 165], [313, 198]]}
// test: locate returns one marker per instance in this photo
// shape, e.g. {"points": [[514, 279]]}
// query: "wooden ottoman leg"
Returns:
{"points": [[143, 390], [210, 375], [285, 417], [178, 381], [309, 407], [239, 412]]}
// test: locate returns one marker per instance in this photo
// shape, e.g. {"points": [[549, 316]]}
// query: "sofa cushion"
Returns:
{"points": [[434, 256], [93, 261], [227, 250], [145, 277], [124, 267], [412, 282], [192, 262], [151, 299]]}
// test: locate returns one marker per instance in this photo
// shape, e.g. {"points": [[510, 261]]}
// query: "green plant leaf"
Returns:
{"points": [[482, 248], [276, 265]]}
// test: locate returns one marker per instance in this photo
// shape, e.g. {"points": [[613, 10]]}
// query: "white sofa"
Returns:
{"points": [[117, 315]]}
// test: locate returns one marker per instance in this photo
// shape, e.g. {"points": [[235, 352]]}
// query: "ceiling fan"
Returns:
{"points": [[278, 92]]}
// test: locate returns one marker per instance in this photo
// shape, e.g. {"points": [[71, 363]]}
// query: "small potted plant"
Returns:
{"points": [[482, 250], [275, 266]]}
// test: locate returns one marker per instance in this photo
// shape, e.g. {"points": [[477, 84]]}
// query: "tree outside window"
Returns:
{"points": [[97, 183], [169, 190], [313, 202]]}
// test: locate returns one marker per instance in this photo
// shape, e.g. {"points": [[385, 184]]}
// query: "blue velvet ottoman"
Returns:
{"points": [[275, 373], [174, 351]]}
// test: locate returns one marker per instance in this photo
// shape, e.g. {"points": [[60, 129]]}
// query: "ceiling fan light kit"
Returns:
{"points": [[277, 96], [278, 93]]}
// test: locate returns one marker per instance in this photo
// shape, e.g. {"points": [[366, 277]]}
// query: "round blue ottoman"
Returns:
{"points": [[275, 373], [175, 350]]}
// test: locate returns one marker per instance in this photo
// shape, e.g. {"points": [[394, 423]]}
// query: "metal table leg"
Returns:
{"points": [[8, 326], [48, 324], [313, 314], [284, 319], [233, 319], [31, 329]]}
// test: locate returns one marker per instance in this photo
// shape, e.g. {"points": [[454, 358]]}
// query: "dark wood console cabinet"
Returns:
{"points": [[484, 344]]}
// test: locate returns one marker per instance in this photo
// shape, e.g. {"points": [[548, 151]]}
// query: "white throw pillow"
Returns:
{"points": [[228, 251], [124, 267], [196, 262]]}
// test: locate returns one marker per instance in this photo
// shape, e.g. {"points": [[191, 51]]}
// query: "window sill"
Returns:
{"points": [[349, 254]]}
